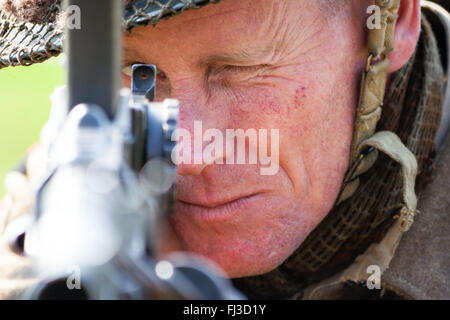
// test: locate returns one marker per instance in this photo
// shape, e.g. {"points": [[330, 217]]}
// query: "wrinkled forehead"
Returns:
{"points": [[257, 25]]}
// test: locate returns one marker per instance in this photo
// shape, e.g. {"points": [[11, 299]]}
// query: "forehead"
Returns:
{"points": [[229, 25]]}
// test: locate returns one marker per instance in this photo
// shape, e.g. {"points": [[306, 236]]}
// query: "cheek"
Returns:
{"points": [[315, 119], [323, 132], [257, 108]]}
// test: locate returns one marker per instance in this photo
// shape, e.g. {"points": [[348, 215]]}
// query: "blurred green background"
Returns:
{"points": [[24, 108]]}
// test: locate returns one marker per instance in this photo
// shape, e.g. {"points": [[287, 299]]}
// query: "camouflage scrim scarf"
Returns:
{"points": [[412, 109]]}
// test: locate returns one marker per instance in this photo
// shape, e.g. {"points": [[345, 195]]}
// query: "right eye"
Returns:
{"points": [[128, 70], [162, 81]]}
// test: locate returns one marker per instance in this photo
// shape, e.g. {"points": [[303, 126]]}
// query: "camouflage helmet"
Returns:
{"points": [[31, 32]]}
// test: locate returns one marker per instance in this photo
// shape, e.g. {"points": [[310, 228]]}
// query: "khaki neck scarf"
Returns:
{"points": [[412, 110]]}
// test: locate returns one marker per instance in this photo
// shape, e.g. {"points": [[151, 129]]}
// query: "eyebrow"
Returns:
{"points": [[129, 52], [241, 56]]}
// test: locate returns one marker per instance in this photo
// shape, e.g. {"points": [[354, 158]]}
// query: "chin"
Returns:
{"points": [[248, 243], [241, 259]]}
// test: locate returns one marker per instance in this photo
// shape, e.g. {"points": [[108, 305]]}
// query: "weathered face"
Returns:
{"points": [[258, 64]]}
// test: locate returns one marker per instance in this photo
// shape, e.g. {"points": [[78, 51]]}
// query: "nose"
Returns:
{"points": [[197, 114], [191, 169], [194, 149]]}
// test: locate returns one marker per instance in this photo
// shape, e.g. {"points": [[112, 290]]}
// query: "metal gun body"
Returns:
{"points": [[110, 182]]}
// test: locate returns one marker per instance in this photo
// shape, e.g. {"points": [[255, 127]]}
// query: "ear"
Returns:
{"points": [[406, 34]]}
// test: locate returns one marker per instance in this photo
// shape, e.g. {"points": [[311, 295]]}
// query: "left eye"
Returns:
{"points": [[232, 68], [247, 71]]}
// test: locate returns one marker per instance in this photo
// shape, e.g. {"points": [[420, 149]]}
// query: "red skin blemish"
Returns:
{"points": [[271, 106], [265, 104], [300, 95]]}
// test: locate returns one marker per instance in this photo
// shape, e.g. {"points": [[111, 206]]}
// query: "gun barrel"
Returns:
{"points": [[90, 80]]}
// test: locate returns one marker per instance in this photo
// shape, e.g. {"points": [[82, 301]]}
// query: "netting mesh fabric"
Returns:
{"points": [[25, 42], [149, 12]]}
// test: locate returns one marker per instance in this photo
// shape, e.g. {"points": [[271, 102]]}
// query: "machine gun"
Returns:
{"points": [[109, 180]]}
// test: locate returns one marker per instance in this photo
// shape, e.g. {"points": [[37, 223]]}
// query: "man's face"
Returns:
{"points": [[258, 64]]}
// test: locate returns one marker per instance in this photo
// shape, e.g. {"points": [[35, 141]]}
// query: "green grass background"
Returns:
{"points": [[24, 108]]}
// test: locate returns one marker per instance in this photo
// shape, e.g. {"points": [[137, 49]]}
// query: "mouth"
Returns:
{"points": [[218, 210]]}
